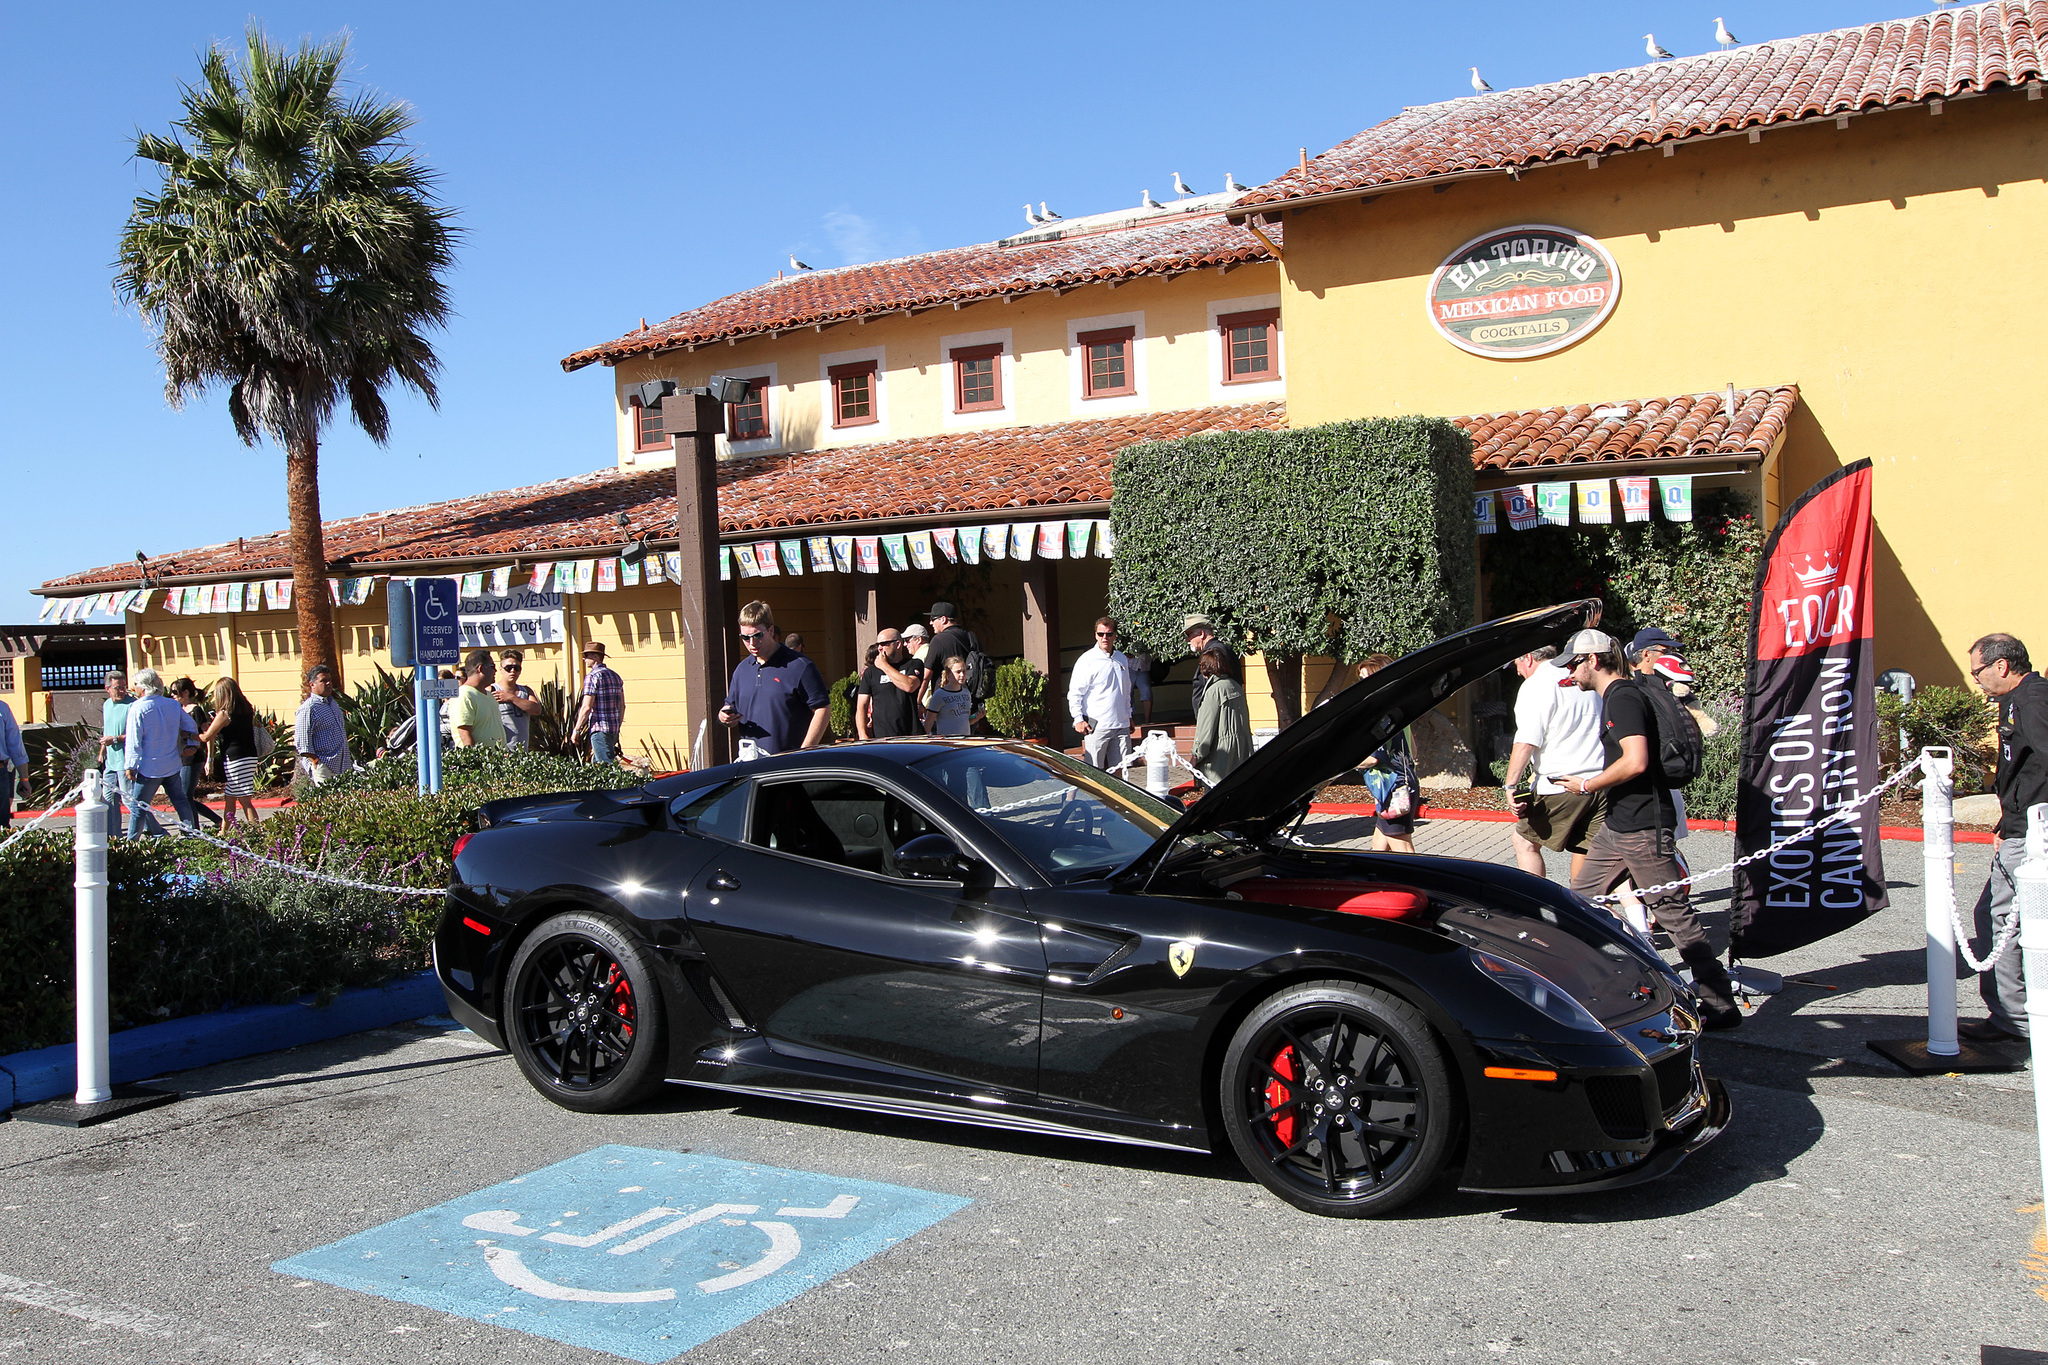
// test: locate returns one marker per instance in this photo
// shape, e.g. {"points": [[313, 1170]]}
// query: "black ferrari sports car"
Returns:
{"points": [[992, 933]]}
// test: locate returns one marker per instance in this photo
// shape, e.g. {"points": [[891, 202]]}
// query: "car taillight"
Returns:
{"points": [[460, 844]]}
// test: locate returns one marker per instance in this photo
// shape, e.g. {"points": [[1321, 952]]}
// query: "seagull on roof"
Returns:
{"points": [[1479, 84], [1230, 185], [1047, 214], [1722, 35], [795, 264], [1146, 201], [1181, 186], [1030, 216], [1657, 54]]}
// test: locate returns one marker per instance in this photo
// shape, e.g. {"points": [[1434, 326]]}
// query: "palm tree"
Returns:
{"points": [[293, 253]]}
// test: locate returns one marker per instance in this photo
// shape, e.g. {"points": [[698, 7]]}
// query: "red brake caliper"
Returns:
{"points": [[1278, 1094], [622, 999]]}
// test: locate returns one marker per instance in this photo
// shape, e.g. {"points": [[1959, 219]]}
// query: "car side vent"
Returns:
{"points": [[1618, 1106], [732, 1011]]}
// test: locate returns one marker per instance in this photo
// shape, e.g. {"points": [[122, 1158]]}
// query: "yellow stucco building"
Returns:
{"points": [[1813, 251]]}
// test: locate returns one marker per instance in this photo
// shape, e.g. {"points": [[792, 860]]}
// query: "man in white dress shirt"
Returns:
{"points": [[1099, 699], [1557, 734]]}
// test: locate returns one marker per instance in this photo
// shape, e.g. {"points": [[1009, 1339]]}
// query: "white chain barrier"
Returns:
{"points": [[1835, 817], [54, 807], [308, 873], [2006, 936]]}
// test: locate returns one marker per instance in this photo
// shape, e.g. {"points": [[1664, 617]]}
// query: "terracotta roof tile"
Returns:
{"points": [[1689, 426], [986, 271], [969, 474], [1933, 56]]}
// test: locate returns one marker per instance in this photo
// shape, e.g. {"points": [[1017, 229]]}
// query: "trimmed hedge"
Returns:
{"points": [[1338, 540], [233, 931], [250, 936]]}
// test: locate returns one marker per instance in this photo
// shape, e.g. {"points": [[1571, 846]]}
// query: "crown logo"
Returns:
{"points": [[1813, 575]]}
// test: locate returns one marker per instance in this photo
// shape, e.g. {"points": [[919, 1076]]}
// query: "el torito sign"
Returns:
{"points": [[1523, 291]]}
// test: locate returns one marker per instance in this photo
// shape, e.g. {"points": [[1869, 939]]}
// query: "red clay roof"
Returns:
{"points": [[1689, 426], [1934, 56], [973, 475], [989, 270]]}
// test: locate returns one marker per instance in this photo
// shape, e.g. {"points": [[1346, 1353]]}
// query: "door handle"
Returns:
{"points": [[722, 881]]}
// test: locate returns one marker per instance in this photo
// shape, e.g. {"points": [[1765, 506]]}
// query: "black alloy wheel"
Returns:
{"points": [[1337, 1098], [584, 1016]]}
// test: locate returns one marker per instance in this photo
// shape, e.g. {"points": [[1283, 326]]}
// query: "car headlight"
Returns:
{"points": [[1537, 991]]}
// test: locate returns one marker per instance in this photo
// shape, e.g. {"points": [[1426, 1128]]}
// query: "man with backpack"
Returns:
{"points": [[1650, 750]]}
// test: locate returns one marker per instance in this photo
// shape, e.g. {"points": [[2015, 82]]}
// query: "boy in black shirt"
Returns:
{"points": [[1638, 840]]}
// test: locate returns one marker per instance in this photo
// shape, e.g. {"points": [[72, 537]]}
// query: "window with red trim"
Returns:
{"points": [[977, 377], [748, 421], [1106, 362], [853, 394], [647, 433], [1251, 345]]}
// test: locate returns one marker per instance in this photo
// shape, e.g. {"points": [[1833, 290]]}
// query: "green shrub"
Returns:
{"points": [[219, 936], [484, 773], [1016, 709], [1711, 795], [1340, 540], [842, 698], [1956, 717]]}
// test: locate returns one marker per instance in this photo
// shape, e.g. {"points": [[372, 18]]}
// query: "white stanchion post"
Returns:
{"points": [[1938, 854], [2030, 885], [1159, 752], [94, 1069]]}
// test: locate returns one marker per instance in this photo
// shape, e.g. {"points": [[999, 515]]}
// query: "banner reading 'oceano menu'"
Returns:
{"points": [[1523, 291], [1810, 726], [519, 616]]}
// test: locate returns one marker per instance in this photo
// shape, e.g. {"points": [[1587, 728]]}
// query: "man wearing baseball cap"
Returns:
{"points": [[1637, 841]]}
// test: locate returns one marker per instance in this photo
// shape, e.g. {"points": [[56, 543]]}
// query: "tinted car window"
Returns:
{"points": [[1070, 820], [720, 812], [836, 820]]}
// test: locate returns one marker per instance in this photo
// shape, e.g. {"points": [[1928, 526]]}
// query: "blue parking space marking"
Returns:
{"points": [[637, 1252]]}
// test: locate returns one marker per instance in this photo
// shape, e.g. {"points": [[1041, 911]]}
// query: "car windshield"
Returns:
{"points": [[1070, 820]]}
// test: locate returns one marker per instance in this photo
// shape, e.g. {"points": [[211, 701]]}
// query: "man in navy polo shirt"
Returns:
{"points": [[777, 698]]}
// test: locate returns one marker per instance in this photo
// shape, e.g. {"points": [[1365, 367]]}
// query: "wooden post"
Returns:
{"points": [[694, 421], [867, 615], [1042, 620]]}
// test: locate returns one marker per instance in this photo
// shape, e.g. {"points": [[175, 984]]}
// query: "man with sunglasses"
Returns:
{"points": [[1999, 664], [1099, 699], [777, 698], [517, 703]]}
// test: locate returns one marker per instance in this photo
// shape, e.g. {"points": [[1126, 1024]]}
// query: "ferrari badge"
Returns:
{"points": [[1180, 956]]}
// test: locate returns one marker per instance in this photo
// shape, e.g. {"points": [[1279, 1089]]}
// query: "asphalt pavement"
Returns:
{"points": [[1851, 1214]]}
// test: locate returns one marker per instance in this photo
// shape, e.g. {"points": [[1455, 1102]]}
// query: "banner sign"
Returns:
{"points": [[895, 552], [947, 538], [821, 553], [1523, 291], [995, 541], [867, 554], [1105, 539], [1482, 514], [1809, 726], [1022, 533], [792, 556], [1521, 506], [1596, 505], [842, 554], [517, 616], [1554, 503], [1676, 491], [970, 544], [1635, 498], [920, 543]]}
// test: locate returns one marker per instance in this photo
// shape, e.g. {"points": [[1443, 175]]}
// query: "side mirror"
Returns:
{"points": [[932, 857]]}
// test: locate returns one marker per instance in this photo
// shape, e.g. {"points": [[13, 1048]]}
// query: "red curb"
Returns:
{"points": [[1904, 833], [261, 802]]}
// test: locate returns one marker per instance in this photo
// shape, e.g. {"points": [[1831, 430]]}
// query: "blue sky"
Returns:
{"points": [[627, 160]]}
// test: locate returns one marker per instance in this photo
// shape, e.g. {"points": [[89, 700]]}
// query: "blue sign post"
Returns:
{"points": [[437, 640]]}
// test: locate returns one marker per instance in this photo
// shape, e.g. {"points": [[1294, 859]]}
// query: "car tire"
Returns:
{"points": [[1353, 1135], [583, 1015]]}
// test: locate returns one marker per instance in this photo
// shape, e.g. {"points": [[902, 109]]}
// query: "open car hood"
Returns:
{"points": [[1269, 790]]}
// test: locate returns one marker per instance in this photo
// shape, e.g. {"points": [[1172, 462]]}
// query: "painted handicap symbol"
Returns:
{"points": [[784, 1245], [638, 1252]]}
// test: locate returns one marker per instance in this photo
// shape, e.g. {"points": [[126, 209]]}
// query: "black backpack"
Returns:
{"points": [[1679, 751], [981, 671]]}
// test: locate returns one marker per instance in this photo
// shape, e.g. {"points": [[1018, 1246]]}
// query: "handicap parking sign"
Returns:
{"points": [[641, 1253]]}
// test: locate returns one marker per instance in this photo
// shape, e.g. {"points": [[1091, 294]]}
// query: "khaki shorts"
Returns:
{"points": [[1563, 822]]}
